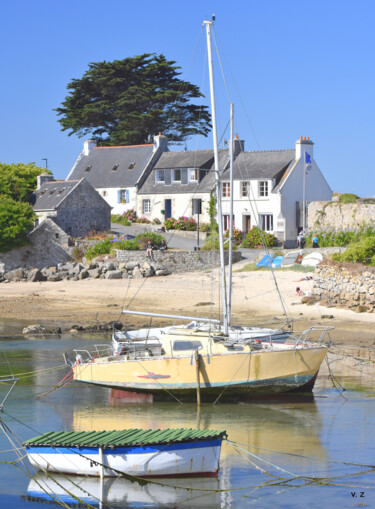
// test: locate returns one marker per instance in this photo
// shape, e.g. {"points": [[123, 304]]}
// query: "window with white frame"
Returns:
{"points": [[194, 175], [266, 222], [124, 196], [146, 206], [245, 189], [226, 190], [263, 188], [176, 175], [159, 176]]}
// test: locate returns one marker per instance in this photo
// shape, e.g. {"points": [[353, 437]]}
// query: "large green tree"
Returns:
{"points": [[124, 101], [17, 183]]}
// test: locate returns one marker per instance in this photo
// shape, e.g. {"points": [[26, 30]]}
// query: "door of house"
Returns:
{"points": [[246, 223], [168, 208]]}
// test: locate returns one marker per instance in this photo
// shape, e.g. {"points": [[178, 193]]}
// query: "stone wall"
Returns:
{"points": [[325, 215], [336, 286], [179, 262]]}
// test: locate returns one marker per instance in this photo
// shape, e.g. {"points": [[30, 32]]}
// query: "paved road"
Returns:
{"points": [[175, 240]]}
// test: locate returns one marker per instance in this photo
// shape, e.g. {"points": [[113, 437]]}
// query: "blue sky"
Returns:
{"points": [[292, 69]]}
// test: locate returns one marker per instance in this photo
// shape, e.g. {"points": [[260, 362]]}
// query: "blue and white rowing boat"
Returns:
{"points": [[134, 452]]}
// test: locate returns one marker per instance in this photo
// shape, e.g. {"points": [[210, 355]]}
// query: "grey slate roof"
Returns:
{"points": [[52, 193], [113, 166], [203, 159], [261, 165], [184, 159]]}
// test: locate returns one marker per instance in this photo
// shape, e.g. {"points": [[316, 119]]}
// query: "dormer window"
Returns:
{"points": [[159, 176], [194, 175], [131, 166], [115, 167], [88, 168], [176, 175]]}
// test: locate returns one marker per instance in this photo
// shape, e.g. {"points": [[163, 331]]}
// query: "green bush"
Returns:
{"points": [[360, 252], [143, 238], [348, 198], [212, 243], [16, 219], [257, 238], [237, 235], [100, 248]]}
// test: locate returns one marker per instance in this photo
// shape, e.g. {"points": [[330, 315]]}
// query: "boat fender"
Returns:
{"points": [[79, 359]]}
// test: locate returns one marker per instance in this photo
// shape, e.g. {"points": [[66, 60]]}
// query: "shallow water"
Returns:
{"points": [[289, 453]]}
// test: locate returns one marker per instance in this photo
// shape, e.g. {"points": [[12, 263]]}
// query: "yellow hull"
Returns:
{"points": [[235, 373]]}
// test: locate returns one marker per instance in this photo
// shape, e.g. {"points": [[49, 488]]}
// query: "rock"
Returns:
{"points": [[35, 275], [54, 277], [113, 274], [137, 274], [14, 275], [327, 316], [361, 309], [131, 265], [162, 272], [83, 274], [35, 329], [109, 266], [94, 273]]}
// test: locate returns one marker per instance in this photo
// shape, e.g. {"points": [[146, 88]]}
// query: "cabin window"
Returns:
{"points": [[104, 193], [179, 346], [176, 175], [226, 190], [266, 222], [146, 206], [159, 176], [194, 175], [263, 188], [245, 189]]}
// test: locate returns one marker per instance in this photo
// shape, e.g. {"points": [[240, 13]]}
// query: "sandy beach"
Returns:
{"points": [[255, 300]]}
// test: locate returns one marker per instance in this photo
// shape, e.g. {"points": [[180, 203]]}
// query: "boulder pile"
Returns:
{"points": [[72, 271]]}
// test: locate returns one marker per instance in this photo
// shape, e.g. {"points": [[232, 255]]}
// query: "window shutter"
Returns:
{"points": [[127, 196], [118, 196]]}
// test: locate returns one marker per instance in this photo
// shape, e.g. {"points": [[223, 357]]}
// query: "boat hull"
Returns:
{"points": [[173, 460], [236, 374]]}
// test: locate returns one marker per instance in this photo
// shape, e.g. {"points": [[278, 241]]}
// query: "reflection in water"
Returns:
{"points": [[109, 492], [291, 426]]}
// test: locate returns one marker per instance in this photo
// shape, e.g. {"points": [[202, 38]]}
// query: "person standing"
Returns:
{"points": [[315, 241]]}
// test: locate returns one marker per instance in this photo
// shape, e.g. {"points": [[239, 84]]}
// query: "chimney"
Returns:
{"points": [[41, 179], [238, 146], [304, 144], [87, 146], [160, 143]]}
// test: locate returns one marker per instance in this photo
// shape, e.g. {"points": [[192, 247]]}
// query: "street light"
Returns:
{"points": [[306, 168], [44, 159]]}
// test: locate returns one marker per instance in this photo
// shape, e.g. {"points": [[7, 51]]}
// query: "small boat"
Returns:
{"points": [[132, 452]]}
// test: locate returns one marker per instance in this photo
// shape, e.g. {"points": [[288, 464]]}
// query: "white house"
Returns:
{"points": [[117, 172], [270, 188]]}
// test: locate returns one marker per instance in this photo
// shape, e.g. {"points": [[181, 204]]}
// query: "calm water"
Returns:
{"points": [[282, 449]]}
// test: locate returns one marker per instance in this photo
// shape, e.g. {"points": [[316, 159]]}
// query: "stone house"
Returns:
{"points": [[117, 172], [73, 205], [269, 189]]}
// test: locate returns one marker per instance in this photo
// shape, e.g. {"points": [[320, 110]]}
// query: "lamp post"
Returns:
{"points": [[44, 159], [306, 167]]}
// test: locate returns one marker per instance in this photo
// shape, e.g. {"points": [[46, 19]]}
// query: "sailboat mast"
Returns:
{"points": [[231, 190], [217, 174]]}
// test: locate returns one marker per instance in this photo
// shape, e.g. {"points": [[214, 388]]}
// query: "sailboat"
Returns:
{"points": [[206, 359]]}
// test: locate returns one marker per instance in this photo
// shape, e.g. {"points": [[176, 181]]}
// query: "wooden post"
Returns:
{"points": [[197, 358]]}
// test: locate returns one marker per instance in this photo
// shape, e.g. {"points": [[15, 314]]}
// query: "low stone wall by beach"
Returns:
{"points": [[337, 286], [179, 262]]}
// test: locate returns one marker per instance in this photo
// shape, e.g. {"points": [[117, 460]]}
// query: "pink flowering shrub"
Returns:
{"points": [[182, 223], [130, 215], [237, 235], [257, 238]]}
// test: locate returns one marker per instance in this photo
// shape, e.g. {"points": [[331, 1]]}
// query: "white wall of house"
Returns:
{"points": [[151, 206], [121, 199], [292, 189], [253, 204]]}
